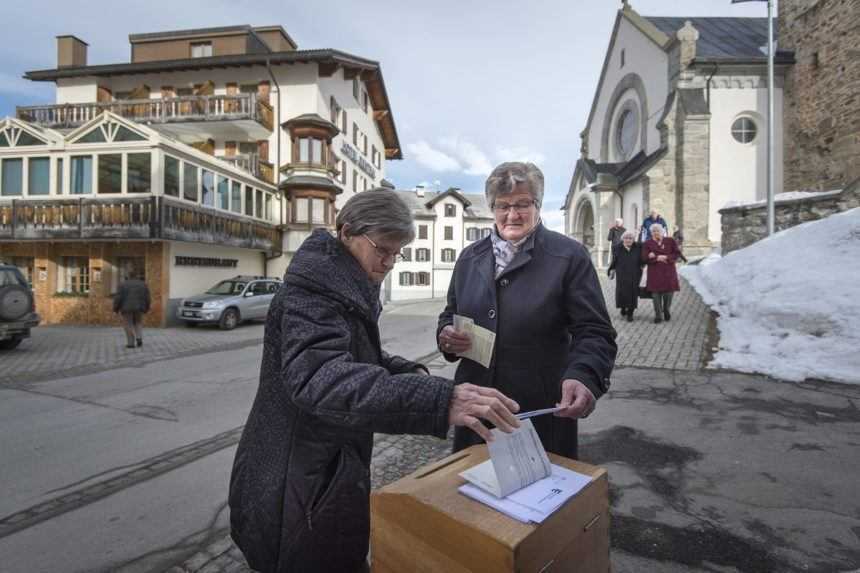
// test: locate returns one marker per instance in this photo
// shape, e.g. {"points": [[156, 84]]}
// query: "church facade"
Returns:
{"points": [[678, 124]]}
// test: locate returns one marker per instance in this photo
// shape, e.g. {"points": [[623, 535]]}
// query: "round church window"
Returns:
{"points": [[744, 130], [627, 131]]}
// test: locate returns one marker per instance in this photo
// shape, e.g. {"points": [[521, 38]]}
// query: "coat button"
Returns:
{"points": [[492, 313], [504, 282]]}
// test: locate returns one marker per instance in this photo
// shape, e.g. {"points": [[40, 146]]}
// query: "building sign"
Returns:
{"points": [[205, 262], [362, 163]]}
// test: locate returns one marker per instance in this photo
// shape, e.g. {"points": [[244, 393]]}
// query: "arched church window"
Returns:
{"points": [[627, 130]]}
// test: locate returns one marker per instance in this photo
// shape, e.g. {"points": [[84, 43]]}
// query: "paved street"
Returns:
{"points": [[121, 462]]}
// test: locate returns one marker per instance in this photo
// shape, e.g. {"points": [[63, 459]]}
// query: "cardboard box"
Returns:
{"points": [[421, 523]]}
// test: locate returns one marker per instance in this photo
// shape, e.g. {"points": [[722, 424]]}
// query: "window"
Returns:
{"points": [[317, 151], [364, 105], [449, 233], [422, 255], [201, 49], [207, 179], [236, 197], [258, 204], [486, 232], [128, 267], [423, 279], [25, 265], [302, 210], [364, 143], [450, 210], [627, 130], [407, 279], [343, 171], [12, 184], [344, 128], [354, 181], [422, 231], [269, 214], [364, 183], [223, 193], [138, 172], [171, 176], [406, 253], [355, 88], [744, 130], [318, 211], [355, 134], [310, 150], [94, 136], [249, 201], [76, 275], [449, 255], [39, 175], [623, 54], [124, 134], [334, 110], [473, 234], [82, 175], [60, 178], [110, 173], [190, 183]]}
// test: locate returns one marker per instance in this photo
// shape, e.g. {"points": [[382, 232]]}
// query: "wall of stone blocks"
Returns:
{"points": [[743, 226], [822, 93]]}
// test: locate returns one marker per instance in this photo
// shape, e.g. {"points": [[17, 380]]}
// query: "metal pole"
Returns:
{"points": [[770, 127]]}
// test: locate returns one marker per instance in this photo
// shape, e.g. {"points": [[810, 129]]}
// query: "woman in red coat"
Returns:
{"points": [[660, 253]]}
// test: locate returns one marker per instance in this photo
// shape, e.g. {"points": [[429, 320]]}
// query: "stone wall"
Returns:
{"points": [[744, 225], [96, 307], [822, 92]]}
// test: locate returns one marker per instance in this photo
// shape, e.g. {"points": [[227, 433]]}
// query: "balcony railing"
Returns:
{"points": [[165, 110], [252, 163], [132, 218]]}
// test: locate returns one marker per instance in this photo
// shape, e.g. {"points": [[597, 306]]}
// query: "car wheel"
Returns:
{"points": [[229, 319], [15, 302], [10, 343]]}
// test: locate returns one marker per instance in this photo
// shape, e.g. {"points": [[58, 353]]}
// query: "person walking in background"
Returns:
{"points": [[678, 235], [132, 302], [615, 231], [651, 219], [660, 253], [626, 268]]}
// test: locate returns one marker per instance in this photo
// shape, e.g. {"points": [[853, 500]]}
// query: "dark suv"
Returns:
{"points": [[17, 308]]}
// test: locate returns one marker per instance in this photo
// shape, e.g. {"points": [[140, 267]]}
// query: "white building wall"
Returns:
{"points": [[76, 90], [188, 280], [645, 58], [738, 171], [415, 292], [632, 212]]}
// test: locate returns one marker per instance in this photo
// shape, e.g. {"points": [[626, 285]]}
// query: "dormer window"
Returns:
{"points": [[201, 49]]}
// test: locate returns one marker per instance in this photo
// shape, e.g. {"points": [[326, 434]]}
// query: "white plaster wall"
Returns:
{"points": [[632, 196], [646, 59], [738, 172], [187, 281], [77, 90], [441, 281]]}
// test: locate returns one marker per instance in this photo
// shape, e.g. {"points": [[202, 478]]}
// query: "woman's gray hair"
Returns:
{"points": [[657, 226], [379, 211], [504, 179], [630, 234]]}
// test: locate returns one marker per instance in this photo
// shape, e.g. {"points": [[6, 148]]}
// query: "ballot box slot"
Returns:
{"points": [[448, 462]]}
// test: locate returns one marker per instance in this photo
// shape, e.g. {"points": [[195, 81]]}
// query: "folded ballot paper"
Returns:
{"points": [[482, 338], [519, 480]]}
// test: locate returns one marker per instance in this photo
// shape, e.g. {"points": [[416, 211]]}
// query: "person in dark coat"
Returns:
{"points": [[615, 233], [300, 486], [538, 291], [653, 218], [660, 253], [132, 301], [626, 269], [678, 235]]}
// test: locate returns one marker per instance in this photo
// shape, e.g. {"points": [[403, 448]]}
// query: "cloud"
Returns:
{"points": [[18, 86], [552, 219], [432, 158], [519, 154], [475, 161]]}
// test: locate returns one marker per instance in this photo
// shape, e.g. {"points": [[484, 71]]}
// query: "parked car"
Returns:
{"points": [[17, 307], [230, 302]]}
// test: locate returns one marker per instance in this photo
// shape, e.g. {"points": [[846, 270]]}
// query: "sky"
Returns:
{"points": [[471, 84]]}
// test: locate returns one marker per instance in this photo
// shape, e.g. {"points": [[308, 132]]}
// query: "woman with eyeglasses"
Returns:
{"points": [[300, 487], [537, 290]]}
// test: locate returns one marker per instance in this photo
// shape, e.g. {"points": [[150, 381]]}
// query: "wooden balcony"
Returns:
{"points": [[164, 111], [252, 163], [93, 218]]}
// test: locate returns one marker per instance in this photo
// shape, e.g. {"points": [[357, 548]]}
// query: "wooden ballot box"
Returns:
{"points": [[421, 523]]}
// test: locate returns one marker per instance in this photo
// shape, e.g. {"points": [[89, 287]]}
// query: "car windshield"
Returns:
{"points": [[10, 277], [227, 287]]}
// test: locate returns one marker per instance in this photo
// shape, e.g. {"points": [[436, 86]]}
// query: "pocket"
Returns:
{"points": [[325, 487]]}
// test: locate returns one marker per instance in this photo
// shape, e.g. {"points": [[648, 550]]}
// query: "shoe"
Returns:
{"points": [[666, 315], [630, 317], [657, 320], [140, 341], [129, 346]]}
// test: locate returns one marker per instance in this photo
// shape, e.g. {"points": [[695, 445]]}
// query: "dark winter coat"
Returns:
{"points": [[615, 234], [550, 320], [627, 265], [131, 296], [662, 277], [645, 230], [300, 487]]}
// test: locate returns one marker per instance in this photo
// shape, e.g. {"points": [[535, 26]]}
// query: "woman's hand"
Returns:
{"points": [[651, 255], [576, 399], [661, 258], [471, 404], [453, 341]]}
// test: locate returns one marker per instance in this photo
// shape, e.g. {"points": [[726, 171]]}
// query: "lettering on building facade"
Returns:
{"points": [[205, 262]]}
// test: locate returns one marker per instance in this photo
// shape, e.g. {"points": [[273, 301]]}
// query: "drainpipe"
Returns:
{"points": [[708, 89], [278, 127]]}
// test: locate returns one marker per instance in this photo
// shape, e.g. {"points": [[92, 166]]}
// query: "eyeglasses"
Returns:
{"points": [[384, 253], [520, 207]]}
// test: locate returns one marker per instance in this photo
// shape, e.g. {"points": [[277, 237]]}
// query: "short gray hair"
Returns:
{"points": [[380, 211], [630, 234], [657, 226], [504, 179]]}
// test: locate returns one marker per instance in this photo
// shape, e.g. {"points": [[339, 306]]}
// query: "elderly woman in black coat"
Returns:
{"points": [[300, 487], [626, 269], [538, 291]]}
